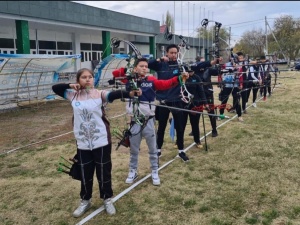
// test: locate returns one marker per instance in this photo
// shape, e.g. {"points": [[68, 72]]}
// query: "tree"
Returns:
{"points": [[287, 32], [169, 21], [252, 43]]}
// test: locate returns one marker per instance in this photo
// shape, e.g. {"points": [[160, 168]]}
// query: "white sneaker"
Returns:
{"points": [[109, 207], [254, 105], [82, 208], [132, 176], [155, 177]]}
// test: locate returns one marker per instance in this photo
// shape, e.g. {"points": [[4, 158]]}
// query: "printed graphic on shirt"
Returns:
{"points": [[229, 79], [176, 71], [88, 129]]}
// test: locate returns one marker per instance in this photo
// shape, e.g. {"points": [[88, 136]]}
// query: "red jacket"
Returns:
{"points": [[159, 85]]}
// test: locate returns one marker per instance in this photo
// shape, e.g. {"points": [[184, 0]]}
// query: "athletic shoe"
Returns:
{"points": [[265, 98], [132, 176], [109, 207], [82, 208], [254, 105], [155, 177], [191, 134], [183, 156], [214, 133], [240, 119], [245, 111], [199, 145], [158, 154]]}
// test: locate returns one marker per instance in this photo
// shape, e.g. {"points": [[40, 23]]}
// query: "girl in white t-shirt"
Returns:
{"points": [[92, 133]]}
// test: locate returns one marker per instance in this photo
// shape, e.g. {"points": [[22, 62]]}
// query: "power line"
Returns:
{"points": [[244, 22]]}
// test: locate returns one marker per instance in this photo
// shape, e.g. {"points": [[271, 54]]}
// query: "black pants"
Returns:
{"points": [[244, 95], [99, 159], [180, 120], [225, 93], [162, 115], [254, 88], [265, 88], [194, 120], [213, 119]]}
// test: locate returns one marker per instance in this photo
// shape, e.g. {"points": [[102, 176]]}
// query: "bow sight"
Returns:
{"points": [[183, 42], [115, 42]]}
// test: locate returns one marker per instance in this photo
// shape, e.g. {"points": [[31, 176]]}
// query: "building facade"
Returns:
{"points": [[66, 28]]}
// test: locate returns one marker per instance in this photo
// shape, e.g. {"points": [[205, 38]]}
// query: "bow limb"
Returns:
{"points": [[138, 115], [186, 96]]}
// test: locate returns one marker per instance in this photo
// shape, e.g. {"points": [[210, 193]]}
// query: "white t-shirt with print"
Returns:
{"points": [[90, 130]]}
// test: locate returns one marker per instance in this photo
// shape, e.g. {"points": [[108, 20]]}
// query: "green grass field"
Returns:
{"points": [[249, 175]]}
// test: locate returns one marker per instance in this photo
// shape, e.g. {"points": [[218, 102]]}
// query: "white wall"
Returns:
{"points": [[90, 38], [144, 49]]}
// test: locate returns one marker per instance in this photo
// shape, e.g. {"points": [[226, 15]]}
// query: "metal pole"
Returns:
{"points": [[199, 32], [181, 17], [229, 37], [188, 21], [266, 35], [174, 23]]}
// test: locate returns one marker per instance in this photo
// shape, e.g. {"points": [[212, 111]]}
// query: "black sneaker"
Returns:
{"points": [[183, 156], [191, 134], [159, 154], [214, 133]]}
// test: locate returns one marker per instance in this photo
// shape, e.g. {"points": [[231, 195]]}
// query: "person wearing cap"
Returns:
{"points": [[143, 124]]}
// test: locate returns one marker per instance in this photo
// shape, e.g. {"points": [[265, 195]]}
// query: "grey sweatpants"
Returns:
{"points": [[135, 140]]}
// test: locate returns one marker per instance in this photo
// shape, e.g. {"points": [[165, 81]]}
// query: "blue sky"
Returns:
{"points": [[241, 16]]}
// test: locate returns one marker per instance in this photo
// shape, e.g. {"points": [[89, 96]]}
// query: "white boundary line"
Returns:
{"points": [[24, 146], [100, 209]]}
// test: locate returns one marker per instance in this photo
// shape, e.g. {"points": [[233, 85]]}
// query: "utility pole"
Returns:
{"points": [[174, 24], [229, 36], [266, 23]]}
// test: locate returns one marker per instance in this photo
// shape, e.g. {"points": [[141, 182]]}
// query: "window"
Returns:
{"points": [[82, 57], [94, 54], [85, 46], [47, 45], [64, 45], [96, 47], [90, 52], [32, 44], [6, 43]]}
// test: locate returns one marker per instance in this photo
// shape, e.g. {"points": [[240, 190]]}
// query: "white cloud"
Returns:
{"points": [[187, 14]]}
